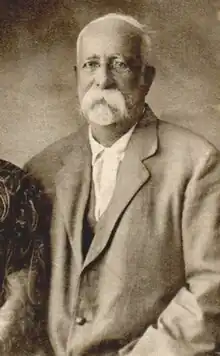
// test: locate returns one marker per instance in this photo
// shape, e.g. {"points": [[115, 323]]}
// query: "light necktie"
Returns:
{"points": [[105, 173]]}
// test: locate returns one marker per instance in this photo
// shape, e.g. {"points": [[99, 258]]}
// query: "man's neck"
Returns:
{"points": [[108, 135]]}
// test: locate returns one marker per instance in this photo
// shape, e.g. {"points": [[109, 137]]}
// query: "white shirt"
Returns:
{"points": [[105, 163]]}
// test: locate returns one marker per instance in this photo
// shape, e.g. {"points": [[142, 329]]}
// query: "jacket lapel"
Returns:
{"points": [[132, 175], [73, 186]]}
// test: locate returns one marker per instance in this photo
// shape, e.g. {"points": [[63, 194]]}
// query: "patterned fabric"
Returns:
{"points": [[24, 219]]}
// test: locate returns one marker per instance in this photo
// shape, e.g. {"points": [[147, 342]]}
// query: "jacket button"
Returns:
{"points": [[80, 320]]}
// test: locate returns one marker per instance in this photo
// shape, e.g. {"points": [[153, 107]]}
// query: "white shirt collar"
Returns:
{"points": [[118, 147]]}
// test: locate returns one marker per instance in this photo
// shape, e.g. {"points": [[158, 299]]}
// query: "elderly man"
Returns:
{"points": [[136, 222]]}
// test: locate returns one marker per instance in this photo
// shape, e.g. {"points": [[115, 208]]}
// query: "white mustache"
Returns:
{"points": [[113, 98]]}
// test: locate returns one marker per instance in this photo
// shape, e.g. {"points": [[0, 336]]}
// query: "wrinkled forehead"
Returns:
{"points": [[109, 36]]}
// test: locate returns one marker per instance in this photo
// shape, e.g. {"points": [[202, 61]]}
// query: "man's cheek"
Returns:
{"points": [[128, 98], [83, 88]]}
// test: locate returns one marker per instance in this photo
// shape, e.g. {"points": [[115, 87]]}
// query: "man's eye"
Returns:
{"points": [[91, 65], [120, 66]]}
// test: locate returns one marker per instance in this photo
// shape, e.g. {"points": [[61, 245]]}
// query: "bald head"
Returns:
{"points": [[124, 26]]}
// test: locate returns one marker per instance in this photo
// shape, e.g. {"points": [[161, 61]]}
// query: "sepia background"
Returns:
{"points": [[37, 85]]}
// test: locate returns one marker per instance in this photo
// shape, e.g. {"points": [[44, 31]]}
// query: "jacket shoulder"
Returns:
{"points": [[179, 139], [44, 166]]}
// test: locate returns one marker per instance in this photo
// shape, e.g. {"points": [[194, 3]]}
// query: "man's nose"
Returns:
{"points": [[104, 78]]}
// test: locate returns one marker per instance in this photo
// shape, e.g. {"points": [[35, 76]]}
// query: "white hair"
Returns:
{"points": [[141, 29]]}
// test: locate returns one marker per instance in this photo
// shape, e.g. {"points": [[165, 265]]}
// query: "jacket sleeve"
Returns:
{"points": [[59, 321], [190, 325]]}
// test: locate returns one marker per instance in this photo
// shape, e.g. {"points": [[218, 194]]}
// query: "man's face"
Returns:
{"points": [[109, 72]]}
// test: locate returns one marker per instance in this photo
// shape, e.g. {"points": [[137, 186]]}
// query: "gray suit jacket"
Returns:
{"points": [[150, 283]]}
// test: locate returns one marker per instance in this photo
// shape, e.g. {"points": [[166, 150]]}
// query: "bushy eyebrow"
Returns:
{"points": [[113, 56], [94, 56]]}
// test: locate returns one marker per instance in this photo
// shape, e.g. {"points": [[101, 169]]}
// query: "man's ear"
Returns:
{"points": [[149, 73]]}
